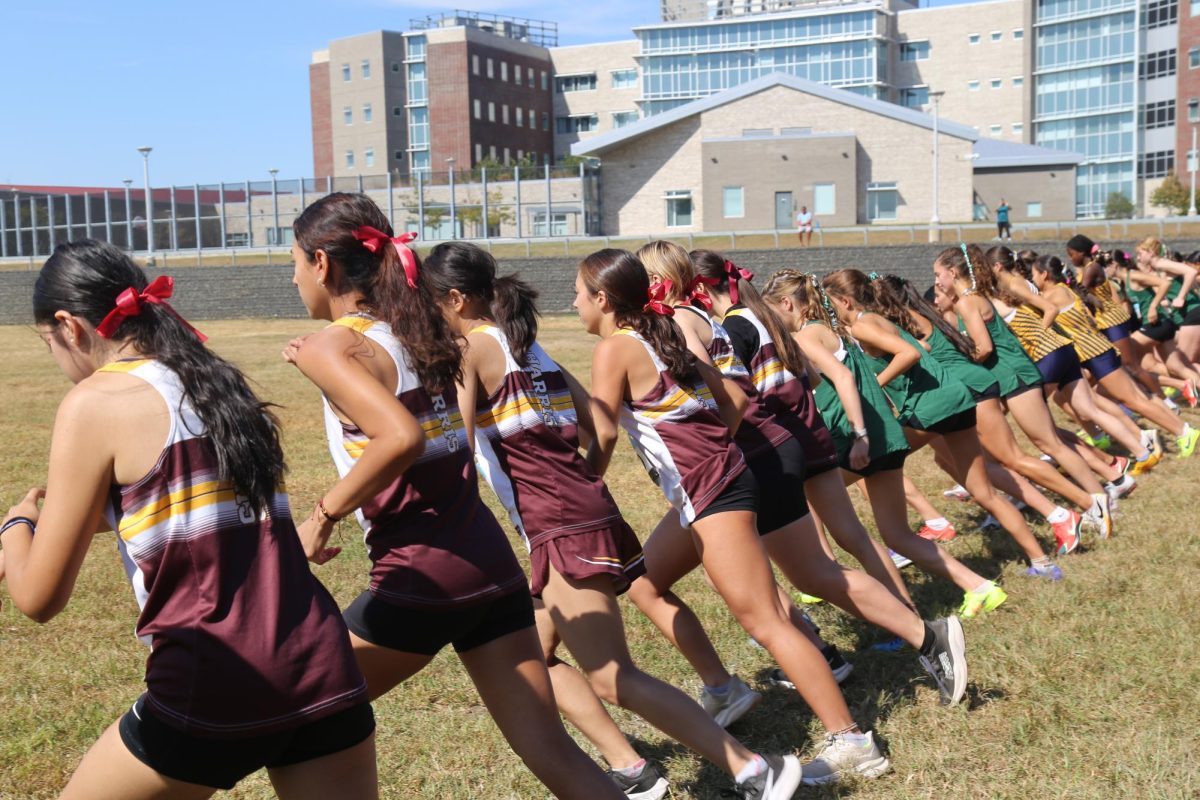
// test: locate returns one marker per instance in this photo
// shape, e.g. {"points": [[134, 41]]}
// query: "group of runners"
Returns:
{"points": [[753, 410]]}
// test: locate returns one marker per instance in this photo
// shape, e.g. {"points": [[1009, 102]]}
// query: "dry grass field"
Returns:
{"points": [[1085, 689]]}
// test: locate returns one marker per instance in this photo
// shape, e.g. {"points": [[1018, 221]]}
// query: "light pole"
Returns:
{"points": [[274, 206], [453, 209], [934, 222], [1193, 157], [128, 214], [145, 151]]}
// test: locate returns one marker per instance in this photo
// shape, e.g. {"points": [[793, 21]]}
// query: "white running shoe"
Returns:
{"points": [[959, 493], [778, 781], [840, 755], [731, 706]]}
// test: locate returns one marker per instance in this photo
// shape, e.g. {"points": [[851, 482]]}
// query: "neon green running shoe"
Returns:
{"points": [[810, 599], [976, 603], [1186, 441], [1101, 442], [1170, 392]]}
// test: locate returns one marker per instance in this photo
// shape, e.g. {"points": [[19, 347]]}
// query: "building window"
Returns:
{"points": [[517, 77], [504, 113], [398, 156], [520, 116], [395, 66], [1158, 65], [477, 108], [397, 111], [520, 155], [1194, 9], [997, 35], [620, 119], [348, 115], [418, 129], [545, 121], [575, 83], [914, 96], [504, 71], [418, 86], [624, 78], [1194, 110], [545, 82], [474, 64], [491, 69], [758, 133], [1160, 13], [1033, 209], [366, 68], [369, 157], [346, 73], [1018, 81], [349, 159], [1018, 33], [972, 38], [996, 130], [507, 157], [420, 161], [579, 124], [824, 199], [1156, 165], [1158, 115], [914, 51], [414, 48], [532, 120], [558, 223], [1018, 128], [679, 209], [882, 201], [996, 83], [491, 111], [492, 152], [733, 205], [973, 86], [368, 115], [795, 131], [478, 152], [280, 236], [1194, 58]]}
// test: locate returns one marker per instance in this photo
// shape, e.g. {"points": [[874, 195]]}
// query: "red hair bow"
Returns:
{"points": [[373, 239], [1095, 249], [657, 294], [129, 304], [734, 272], [695, 295]]}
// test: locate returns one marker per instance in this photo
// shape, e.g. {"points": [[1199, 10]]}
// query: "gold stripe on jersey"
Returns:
{"points": [[359, 324], [678, 400], [178, 503], [124, 366], [1112, 310], [1037, 340], [766, 371], [523, 405]]}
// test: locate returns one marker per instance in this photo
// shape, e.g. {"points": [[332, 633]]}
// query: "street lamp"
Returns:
{"points": [[145, 151], [1193, 157], [274, 206], [453, 210], [934, 222], [128, 214]]}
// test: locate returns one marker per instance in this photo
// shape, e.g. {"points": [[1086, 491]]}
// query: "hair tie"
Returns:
{"points": [[970, 269], [873, 276], [1095, 249], [826, 303], [692, 291], [129, 304], [373, 239], [657, 295], [734, 272]]}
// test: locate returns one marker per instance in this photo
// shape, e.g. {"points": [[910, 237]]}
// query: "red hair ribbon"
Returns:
{"points": [[695, 295], [1095, 249], [657, 294], [734, 272], [373, 239], [129, 304]]}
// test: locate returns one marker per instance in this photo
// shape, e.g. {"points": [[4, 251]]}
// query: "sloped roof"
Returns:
{"points": [[605, 141], [997, 153]]}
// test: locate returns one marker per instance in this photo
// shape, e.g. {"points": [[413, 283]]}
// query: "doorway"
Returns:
{"points": [[783, 210]]}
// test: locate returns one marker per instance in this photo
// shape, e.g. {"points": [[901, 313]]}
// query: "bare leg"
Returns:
{"points": [[997, 439], [349, 773], [110, 772], [1083, 401], [1030, 412], [1122, 387], [919, 502]]}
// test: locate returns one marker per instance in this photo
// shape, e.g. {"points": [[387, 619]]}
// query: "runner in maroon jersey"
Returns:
{"points": [[442, 569], [679, 412], [164, 442]]}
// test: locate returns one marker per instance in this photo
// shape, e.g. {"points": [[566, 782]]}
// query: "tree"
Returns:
{"points": [[1172, 195], [498, 214], [434, 217], [1118, 206]]}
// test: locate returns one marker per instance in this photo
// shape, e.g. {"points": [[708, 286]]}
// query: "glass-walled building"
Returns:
{"points": [[844, 46]]}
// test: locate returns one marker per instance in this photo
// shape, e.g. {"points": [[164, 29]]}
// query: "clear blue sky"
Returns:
{"points": [[218, 88]]}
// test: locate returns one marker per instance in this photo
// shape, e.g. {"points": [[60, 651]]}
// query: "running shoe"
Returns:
{"points": [[1066, 533], [778, 781], [649, 784], [947, 664], [976, 603], [934, 535], [959, 492], [899, 559], [1153, 442], [730, 706], [1101, 442], [1191, 393], [1142, 467], [989, 522], [838, 665], [1171, 405], [1186, 441], [1122, 464], [810, 599], [1119, 488], [1049, 571], [1169, 391], [1100, 516], [845, 753]]}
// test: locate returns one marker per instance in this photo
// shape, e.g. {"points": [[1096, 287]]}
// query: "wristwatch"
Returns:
{"points": [[860, 433]]}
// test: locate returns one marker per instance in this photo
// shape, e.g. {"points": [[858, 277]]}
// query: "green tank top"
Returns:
{"points": [[884, 432], [1009, 363], [1142, 298], [977, 378], [1190, 301], [925, 394]]}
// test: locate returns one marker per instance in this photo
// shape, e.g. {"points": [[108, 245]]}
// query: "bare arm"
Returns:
{"points": [[976, 329], [731, 400], [1017, 288], [880, 334], [1185, 271], [610, 383], [583, 409], [842, 380]]}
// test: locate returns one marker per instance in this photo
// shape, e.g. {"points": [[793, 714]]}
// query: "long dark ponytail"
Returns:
{"points": [[894, 291], [626, 284], [472, 271], [84, 278], [1060, 273], [329, 225]]}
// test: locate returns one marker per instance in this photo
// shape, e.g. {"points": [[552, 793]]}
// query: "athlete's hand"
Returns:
{"points": [[293, 347], [28, 506], [860, 454], [314, 534], [1178, 302]]}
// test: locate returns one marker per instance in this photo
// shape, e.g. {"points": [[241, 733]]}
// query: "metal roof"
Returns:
{"points": [[996, 153]]}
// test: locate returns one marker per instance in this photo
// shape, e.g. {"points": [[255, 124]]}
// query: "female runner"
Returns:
{"points": [[1152, 255], [164, 442], [442, 570], [647, 381]]}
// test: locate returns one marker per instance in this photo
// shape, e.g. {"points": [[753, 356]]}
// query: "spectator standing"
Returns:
{"points": [[1003, 227]]}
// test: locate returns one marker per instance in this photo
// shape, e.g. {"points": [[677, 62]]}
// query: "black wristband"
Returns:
{"points": [[15, 521]]}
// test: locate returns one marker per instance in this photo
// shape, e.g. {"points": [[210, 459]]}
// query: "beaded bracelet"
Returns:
{"points": [[325, 513]]}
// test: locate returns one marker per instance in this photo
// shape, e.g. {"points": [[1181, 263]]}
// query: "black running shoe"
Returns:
{"points": [[649, 784], [947, 664]]}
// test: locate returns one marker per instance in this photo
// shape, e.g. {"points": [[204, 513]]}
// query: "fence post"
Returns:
{"points": [[777, 238], [221, 201], [483, 212], [3, 231], [17, 226], [196, 214], [360, 183], [107, 217], [391, 202], [517, 190], [249, 216], [50, 222], [421, 202], [548, 198], [583, 197], [303, 204], [87, 214]]}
